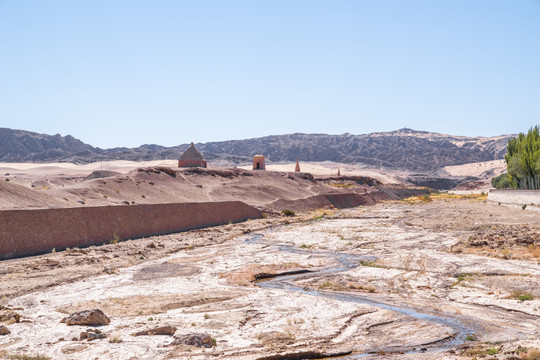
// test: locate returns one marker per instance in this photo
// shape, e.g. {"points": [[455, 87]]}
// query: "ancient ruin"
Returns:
{"points": [[258, 162], [191, 158], [297, 167]]}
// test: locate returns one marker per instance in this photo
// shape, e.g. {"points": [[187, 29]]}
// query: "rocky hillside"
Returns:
{"points": [[401, 149], [20, 146]]}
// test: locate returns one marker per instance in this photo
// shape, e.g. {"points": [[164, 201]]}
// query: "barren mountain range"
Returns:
{"points": [[401, 149]]}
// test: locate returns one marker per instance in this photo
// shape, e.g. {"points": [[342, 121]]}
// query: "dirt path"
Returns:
{"points": [[385, 279]]}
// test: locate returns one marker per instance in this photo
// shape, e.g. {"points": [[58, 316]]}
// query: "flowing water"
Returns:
{"points": [[350, 261]]}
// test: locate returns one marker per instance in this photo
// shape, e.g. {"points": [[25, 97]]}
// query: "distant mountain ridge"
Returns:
{"points": [[401, 149]]}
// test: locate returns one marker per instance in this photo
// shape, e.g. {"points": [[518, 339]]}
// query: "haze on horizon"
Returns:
{"points": [[127, 73]]}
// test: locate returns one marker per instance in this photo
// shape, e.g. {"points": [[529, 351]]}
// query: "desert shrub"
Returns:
{"points": [[460, 278], [115, 239], [522, 296], [288, 212], [370, 264]]}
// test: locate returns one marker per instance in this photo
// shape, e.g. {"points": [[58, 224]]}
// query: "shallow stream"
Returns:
{"points": [[350, 261]]}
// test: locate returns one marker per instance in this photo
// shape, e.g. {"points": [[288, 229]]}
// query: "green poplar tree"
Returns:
{"points": [[523, 160]]}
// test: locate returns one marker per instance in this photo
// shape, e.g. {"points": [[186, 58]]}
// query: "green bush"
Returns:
{"points": [[522, 296], [500, 182]]}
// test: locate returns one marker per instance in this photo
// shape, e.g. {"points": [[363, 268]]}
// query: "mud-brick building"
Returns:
{"points": [[191, 158], [259, 162]]}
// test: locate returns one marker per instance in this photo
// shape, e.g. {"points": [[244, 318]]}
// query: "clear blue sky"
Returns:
{"points": [[126, 73]]}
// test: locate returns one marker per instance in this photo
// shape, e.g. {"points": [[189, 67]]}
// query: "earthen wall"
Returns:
{"points": [[192, 163], [515, 197], [32, 232]]}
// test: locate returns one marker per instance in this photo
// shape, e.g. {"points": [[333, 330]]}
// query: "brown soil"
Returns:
{"points": [[154, 185]]}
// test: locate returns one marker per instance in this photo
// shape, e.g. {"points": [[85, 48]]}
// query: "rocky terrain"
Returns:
{"points": [[398, 280], [403, 149]]}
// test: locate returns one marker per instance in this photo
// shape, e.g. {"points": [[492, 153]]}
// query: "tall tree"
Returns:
{"points": [[523, 160]]}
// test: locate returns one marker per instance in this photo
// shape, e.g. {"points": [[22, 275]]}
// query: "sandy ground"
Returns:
{"points": [[330, 168], [25, 186], [40, 171], [399, 280], [481, 169]]}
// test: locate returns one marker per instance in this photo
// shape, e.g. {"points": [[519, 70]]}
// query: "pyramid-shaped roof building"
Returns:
{"points": [[191, 158]]}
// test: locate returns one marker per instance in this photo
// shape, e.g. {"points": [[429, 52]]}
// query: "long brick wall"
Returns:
{"points": [[32, 232]]}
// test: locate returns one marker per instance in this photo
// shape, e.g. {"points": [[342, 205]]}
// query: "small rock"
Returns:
{"points": [[73, 348], [479, 243], [4, 330], [93, 317], [9, 316], [195, 340], [92, 334], [109, 271], [162, 330], [125, 202]]}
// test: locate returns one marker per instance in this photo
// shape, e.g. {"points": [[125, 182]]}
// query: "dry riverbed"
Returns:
{"points": [[451, 278]]}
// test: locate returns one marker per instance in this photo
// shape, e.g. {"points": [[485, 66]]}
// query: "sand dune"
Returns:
{"points": [[326, 168], [479, 169]]}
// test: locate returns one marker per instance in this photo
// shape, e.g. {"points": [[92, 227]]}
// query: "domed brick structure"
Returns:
{"points": [[191, 158]]}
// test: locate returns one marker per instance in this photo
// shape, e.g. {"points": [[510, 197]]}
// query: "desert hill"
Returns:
{"points": [[20, 145], [66, 185], [404, 149]]}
